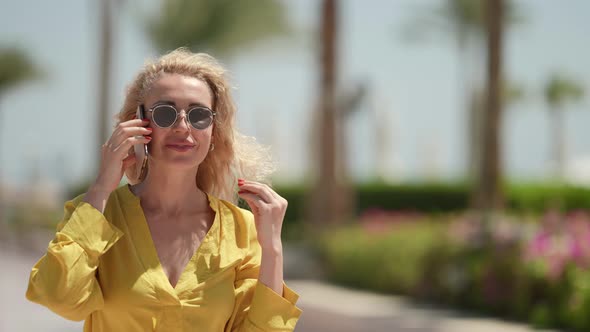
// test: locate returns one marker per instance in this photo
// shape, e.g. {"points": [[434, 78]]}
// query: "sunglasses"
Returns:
{"points": [[165, 116]]}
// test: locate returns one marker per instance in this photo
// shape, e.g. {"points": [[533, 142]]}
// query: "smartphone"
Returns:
{"points": [[141, 150]]}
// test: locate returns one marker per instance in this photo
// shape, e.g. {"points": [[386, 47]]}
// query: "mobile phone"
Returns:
{"points": [[141, 150]]}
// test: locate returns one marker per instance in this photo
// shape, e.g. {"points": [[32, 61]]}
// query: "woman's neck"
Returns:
{"points": [[171, 193]]}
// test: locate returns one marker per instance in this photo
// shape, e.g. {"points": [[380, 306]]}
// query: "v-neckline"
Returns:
{"points": [[152, 254]]}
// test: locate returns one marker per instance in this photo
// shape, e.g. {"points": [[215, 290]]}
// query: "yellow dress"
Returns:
{"points": [[104, 268]]}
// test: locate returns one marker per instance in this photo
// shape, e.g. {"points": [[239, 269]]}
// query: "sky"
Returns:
{"points": [[48, 127]]}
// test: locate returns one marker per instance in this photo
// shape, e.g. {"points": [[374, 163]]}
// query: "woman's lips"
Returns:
{"points": [[180, 148]]}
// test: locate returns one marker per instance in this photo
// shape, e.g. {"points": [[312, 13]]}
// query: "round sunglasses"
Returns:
{"points": [[165, 116]]}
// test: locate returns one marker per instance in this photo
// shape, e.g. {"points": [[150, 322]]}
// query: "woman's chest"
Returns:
{"points": [[176, 242], [137, 268]]}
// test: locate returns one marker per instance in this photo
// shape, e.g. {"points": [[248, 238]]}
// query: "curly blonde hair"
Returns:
{"points": [[235, 155]]}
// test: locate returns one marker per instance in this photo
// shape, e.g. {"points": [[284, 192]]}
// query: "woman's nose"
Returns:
{"points": [[182, 122]]}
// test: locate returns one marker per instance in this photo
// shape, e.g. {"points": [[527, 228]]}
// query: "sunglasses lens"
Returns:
{"points": [[164, 115], [200, 117]]}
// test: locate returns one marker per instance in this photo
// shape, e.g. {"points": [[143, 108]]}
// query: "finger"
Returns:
{"points": [[249, 202], [135, 131], [134, 123], [252, 199], [122, 133], [262, 190], [123, 148], [263, 186], [130, 123]]}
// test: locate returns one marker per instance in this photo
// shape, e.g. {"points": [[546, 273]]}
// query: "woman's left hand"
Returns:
{"points": [[269, 211]]}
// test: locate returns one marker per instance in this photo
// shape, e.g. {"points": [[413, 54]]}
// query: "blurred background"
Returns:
{"points": [[434, 153]]}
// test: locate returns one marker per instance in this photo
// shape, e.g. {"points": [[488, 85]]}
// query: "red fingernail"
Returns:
{"points": [[148, 128], [148, 137], [240, 182], [242, 191], [146, 121]]}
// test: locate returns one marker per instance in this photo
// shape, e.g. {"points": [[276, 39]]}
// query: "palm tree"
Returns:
{"points": [[15, 68], [488, 191], [465, 22], [221, 27], [560, 90]]}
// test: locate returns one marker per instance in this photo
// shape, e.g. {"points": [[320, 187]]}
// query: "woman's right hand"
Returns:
{"points": [[115, 158]]}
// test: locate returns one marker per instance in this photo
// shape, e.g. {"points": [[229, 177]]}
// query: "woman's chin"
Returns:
{"points": [[181, 162]]}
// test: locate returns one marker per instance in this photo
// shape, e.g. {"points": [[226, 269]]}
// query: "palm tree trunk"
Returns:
{"points": [[105, 62], [474, 129], [3, 215], [489, 191], [558, 143], [325, 198], [466, 92]]}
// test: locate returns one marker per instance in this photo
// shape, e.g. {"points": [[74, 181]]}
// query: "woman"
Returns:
{"points": [[172, 252]]}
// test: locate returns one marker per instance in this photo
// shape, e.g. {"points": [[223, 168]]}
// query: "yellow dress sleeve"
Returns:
{"points": [[257, 307], [64, 279]]}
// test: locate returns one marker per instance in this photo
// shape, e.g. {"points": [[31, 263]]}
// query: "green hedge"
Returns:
{"points": [[436, 197], [537, 197], [449, 197], [379, 261]]}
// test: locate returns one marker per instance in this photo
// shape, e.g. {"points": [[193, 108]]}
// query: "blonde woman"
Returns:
{"points": [[172, 251]]}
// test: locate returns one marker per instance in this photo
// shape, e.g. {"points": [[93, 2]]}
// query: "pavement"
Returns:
{"points": [[16, 312], [330, 308]]}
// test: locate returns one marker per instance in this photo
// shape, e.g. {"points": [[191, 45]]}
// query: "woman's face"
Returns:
{"points": [[180, 145]]}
